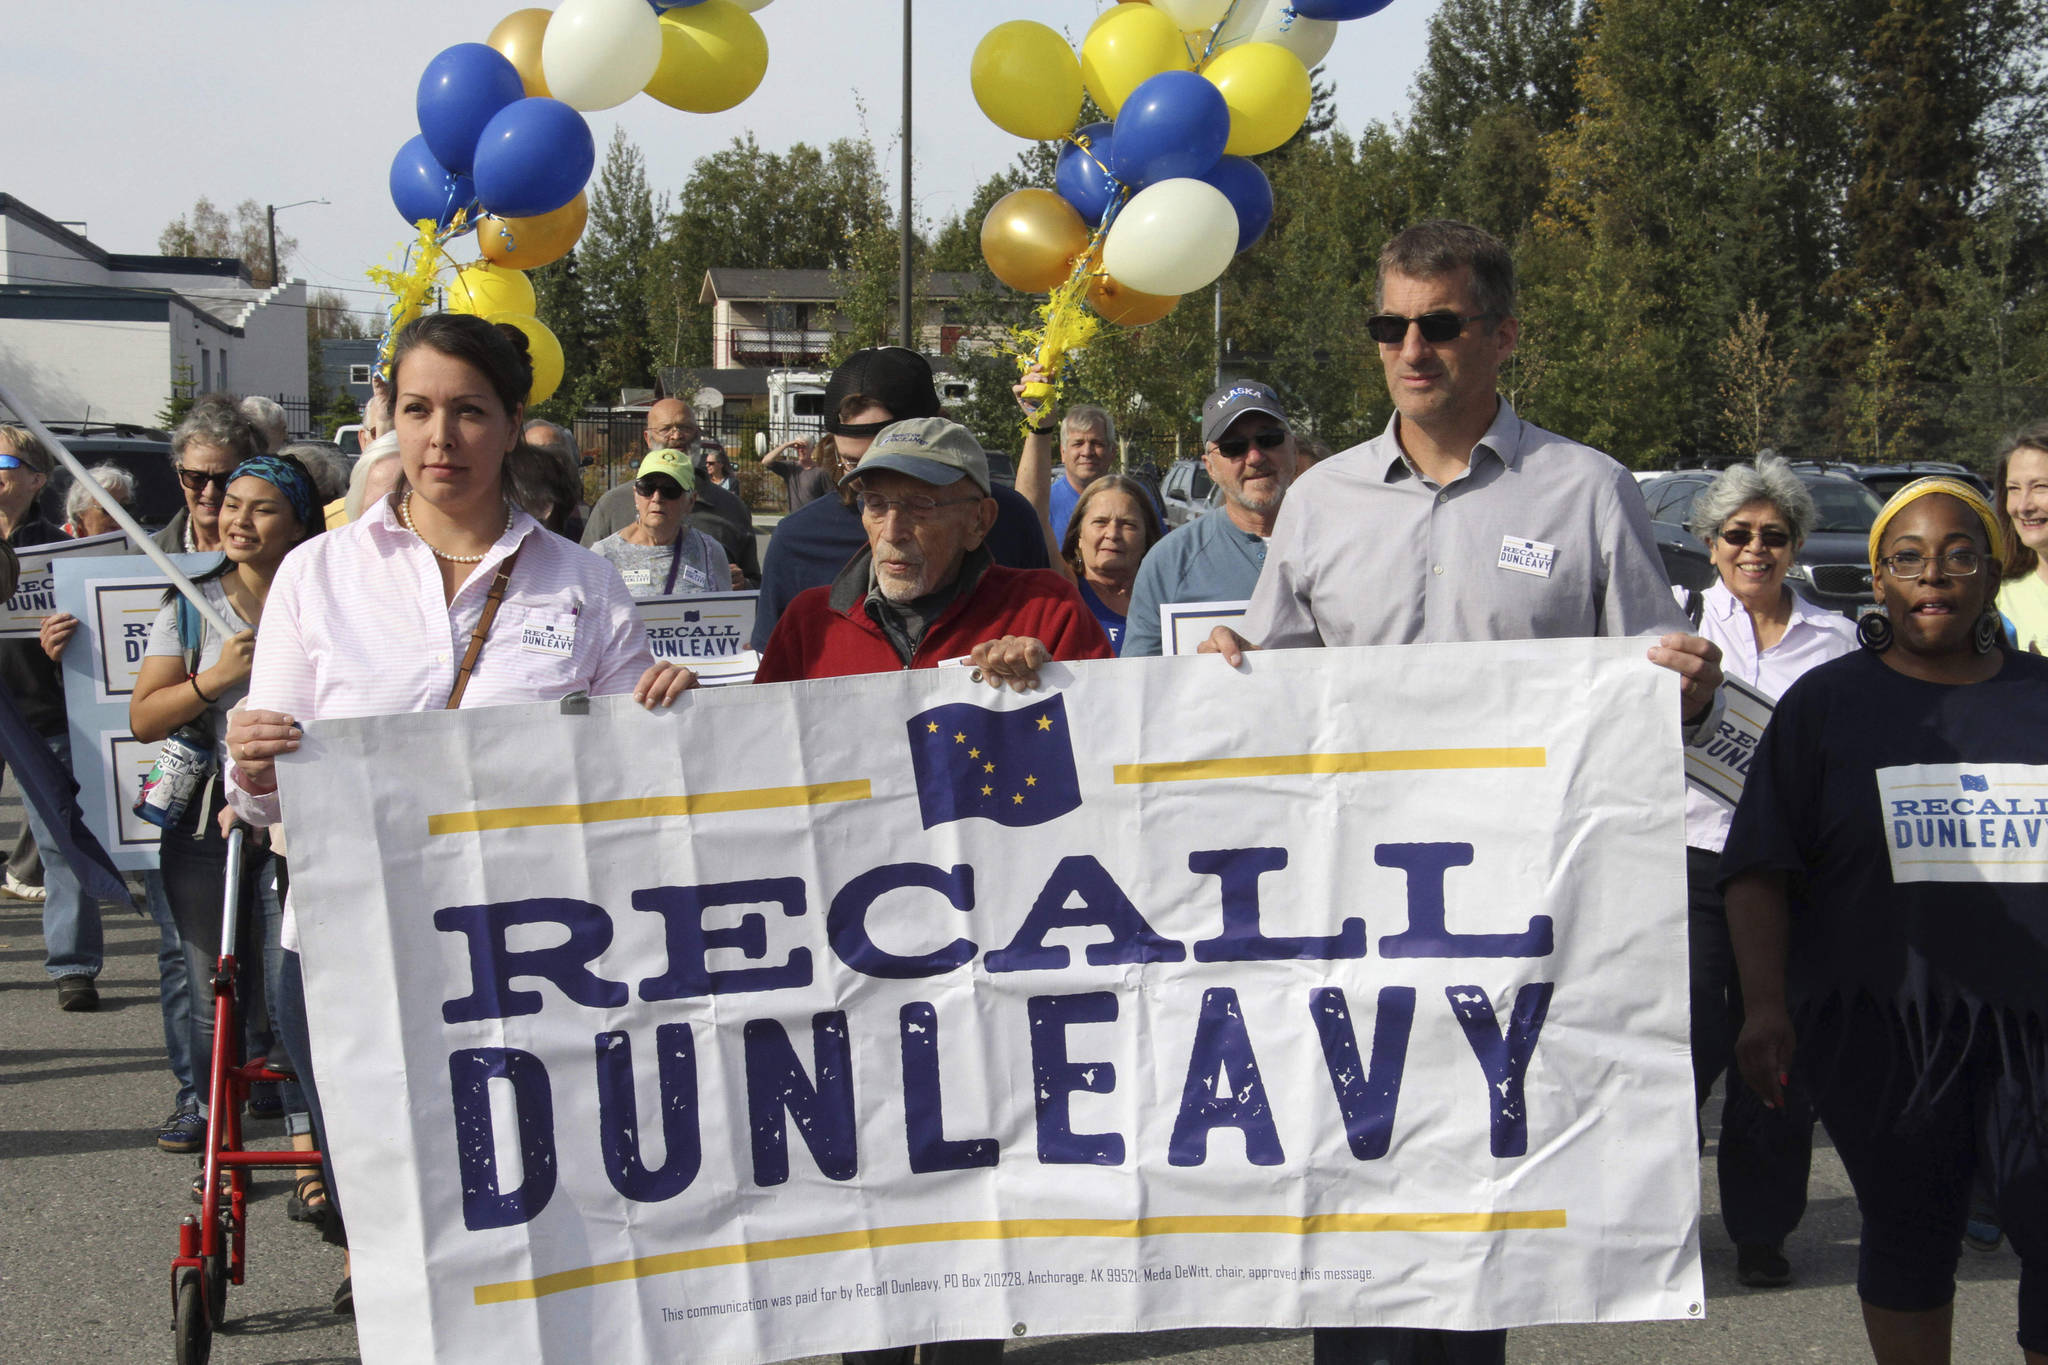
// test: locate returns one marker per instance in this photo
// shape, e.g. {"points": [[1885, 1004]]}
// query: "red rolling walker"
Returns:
{"points": [[210, 1243]]}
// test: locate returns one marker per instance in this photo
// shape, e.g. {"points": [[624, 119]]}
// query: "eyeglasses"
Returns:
{"points": [[1909, 565], [918, 506], [676, 427], [1391, 329], [198, 480], [12, 462], [655, 486], [1237, 447], [1771, 538]]}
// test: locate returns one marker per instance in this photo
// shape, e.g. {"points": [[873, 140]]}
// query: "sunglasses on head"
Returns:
{"points": [[1236, 447], [1391, 329], [1771, 538], [657, 486], [198, 479]]}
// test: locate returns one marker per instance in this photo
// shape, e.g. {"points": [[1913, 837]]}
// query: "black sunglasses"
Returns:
{"points": [[1391, 329], [198, 479], [1771, 538], [655, 486], [1235, 447]]}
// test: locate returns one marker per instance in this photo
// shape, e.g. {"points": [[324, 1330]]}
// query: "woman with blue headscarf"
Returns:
{"points": [[191, 677]]}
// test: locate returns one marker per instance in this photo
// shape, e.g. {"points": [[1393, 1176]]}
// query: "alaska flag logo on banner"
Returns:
{"points": [[1013, 767], [1974, 783]]}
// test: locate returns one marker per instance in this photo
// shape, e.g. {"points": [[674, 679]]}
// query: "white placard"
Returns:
{"points": [[35, 596], [1183, 626]]}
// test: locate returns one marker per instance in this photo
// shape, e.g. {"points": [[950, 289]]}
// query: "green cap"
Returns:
{"points": [[673, 463]]}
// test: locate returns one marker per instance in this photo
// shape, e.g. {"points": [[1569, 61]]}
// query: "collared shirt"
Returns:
{"points": [[1210, 559], [356, 625], [1539, 538], [1812, 637]]}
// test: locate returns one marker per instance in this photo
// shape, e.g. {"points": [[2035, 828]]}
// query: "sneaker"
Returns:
{"points": [[1762, 1265], [77, 994], [184, 1131], [1982, 1234], [21, 890], [270, 1106]]}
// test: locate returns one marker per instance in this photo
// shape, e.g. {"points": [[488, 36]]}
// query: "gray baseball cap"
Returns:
{"points": [[1233, 401], [929, 448]]}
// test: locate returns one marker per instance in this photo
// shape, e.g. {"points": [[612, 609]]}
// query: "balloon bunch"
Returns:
{"points": [[504, 149], [1156, 201]]}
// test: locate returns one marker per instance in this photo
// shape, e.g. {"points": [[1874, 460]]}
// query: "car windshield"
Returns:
{"points": [[1844, 505]]}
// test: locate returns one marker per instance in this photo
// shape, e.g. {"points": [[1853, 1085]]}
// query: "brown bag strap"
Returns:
{"points": [[483, 629]]}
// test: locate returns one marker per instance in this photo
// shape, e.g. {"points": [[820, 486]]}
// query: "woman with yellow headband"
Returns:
{"points": [[1887, 888]]}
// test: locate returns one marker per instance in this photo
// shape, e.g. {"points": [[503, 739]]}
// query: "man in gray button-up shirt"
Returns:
{"points": [[1459, 522]]}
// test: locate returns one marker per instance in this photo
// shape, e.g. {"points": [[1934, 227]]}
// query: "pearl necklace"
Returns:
{"points": [[405, 516]]}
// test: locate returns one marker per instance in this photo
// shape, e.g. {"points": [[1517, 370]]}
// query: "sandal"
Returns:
{"points": [[345, 1297], [308, 1203]]}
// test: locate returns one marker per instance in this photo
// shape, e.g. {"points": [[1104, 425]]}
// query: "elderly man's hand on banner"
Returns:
{"points": [[1013, 660], [1227, 642]]}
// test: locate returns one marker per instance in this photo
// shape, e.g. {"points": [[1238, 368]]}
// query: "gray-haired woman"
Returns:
{"points": [[1752, 519], [83, 515]]}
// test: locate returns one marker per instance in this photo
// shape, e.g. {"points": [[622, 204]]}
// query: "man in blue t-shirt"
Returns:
{"points": [[1249, 451]]}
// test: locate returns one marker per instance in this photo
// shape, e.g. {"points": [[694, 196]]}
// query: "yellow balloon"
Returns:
{"points": [[1030, 239], [483, 289], [1126, 307], [545, 351], [1126, 47], [1266, 87], [713, 55], [518, 36], [527, 243], [1027, 80]]}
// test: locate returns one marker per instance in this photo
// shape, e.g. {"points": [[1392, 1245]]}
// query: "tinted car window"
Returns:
{"points": [[157, 495], [1844, 504]]}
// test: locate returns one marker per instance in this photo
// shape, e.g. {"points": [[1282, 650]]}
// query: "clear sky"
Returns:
{"points": [[122, 116]]}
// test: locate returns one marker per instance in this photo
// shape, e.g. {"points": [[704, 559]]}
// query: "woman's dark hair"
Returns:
{"points": [[1070, 548], [307, 531], [2019, 560], [497, 351], [541, 482]]}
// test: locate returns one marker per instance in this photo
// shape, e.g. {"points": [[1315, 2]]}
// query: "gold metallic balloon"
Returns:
{"points": [[1030, 239], [1126, 307], [518, 36], [524, 243]]}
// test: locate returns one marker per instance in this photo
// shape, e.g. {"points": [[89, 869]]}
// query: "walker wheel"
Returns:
{"points": [[194, 1329]]}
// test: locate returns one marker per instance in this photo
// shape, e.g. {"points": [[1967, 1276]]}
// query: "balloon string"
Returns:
{"points": [[1082, 144]]}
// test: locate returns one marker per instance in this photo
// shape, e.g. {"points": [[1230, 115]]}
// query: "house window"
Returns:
{"points": [[785, 317], [205, 370], [359, 374]]}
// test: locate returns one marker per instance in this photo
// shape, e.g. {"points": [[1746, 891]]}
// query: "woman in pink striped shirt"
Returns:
{"points": [[378, 617]]}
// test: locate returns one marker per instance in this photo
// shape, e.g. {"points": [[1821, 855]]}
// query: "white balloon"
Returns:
{"points": [[600, 53], [1274, 21], [1174, 237], [1191, 14]]}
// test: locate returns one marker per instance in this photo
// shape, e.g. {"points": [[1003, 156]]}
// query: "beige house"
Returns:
{"points": [[787, 318]]}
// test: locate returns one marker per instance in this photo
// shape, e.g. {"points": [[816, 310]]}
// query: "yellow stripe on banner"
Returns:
{"points": [[1301, 765], [648, 807], [1011, 1230]]}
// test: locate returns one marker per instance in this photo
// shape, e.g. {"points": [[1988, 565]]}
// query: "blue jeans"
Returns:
{"points": [[173, 989], [72, 940]]}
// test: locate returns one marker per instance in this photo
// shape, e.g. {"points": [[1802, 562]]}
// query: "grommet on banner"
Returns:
{"points": [[576, 704]]}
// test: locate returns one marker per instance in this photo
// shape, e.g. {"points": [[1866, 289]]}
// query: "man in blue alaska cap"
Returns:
{"points": [[1249, 450]]}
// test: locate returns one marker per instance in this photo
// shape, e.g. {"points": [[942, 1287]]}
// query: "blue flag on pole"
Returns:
{"points": [[1013, 767]]}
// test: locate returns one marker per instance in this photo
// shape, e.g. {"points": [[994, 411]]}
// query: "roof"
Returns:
{"points": [[818, 286], [229, 266]]}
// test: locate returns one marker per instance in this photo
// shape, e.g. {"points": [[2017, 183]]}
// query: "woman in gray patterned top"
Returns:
{"points": [[660, 554]]}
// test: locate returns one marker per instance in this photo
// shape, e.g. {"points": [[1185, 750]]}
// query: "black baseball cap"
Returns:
{"points": [[895, 377], [1233, 401]]}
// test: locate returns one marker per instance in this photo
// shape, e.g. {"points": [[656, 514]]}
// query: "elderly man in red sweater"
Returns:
{"points": [[925, 592]]}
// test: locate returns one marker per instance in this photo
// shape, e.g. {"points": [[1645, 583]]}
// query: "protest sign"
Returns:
{"points": [[114, 600], [706, 633], [1345, 988], [1718, 762], [1184, 625], [35, 596]]}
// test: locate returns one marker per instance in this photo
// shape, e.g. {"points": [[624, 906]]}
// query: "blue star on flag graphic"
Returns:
{"points": [[1013, 767]]}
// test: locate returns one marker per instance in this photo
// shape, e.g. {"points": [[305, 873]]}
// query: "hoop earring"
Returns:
{"points": [[1874, 631], [1988, 631]]}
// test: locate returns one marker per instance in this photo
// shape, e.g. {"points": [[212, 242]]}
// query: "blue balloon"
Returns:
{"points": [[1174, 125], [459, 93], [1339, 9], [661, 5], [422, 187], [1083, 178], [1249, 192], [533, 157]]}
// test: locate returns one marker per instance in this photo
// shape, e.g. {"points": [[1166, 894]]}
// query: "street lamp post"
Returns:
{"points": [[903, 270], [270, 212]]}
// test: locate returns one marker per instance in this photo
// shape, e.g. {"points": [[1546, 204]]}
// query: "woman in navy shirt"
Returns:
{"points": [[1113, 527], [1889, 910]]}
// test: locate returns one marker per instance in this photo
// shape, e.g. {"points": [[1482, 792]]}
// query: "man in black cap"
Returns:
{"points": [[875, 387], [1249, 451]]}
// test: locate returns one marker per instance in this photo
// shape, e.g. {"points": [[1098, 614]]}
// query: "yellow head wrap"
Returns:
{"points": [[1956, 489]]}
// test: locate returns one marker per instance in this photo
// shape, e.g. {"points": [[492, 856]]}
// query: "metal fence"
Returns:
{"points": [[613, 440]]}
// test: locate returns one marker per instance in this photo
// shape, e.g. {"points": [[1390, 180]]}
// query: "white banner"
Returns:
{"points": [[1345, 989], [35, 596]]}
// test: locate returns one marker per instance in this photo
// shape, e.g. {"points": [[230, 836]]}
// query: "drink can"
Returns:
{"points": [[184, 761]]}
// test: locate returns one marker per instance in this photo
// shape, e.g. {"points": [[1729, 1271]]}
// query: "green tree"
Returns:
{"points": [[614, 258], [1753, 379], [207, 231], [563, 304]]}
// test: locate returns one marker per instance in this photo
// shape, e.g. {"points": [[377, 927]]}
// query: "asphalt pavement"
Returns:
{"points": [[89, 1213]]}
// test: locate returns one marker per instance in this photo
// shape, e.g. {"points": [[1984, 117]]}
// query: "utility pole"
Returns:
{"points": [[270, 212], [908, 322]]}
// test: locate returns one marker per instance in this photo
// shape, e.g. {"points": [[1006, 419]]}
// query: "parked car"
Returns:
{"points": [[350, 439], [1887, 479], [1187, 492], [143, 451], [1832, 569]]}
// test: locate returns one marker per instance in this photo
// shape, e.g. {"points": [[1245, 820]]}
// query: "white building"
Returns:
{"points": [[86, 333]]}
